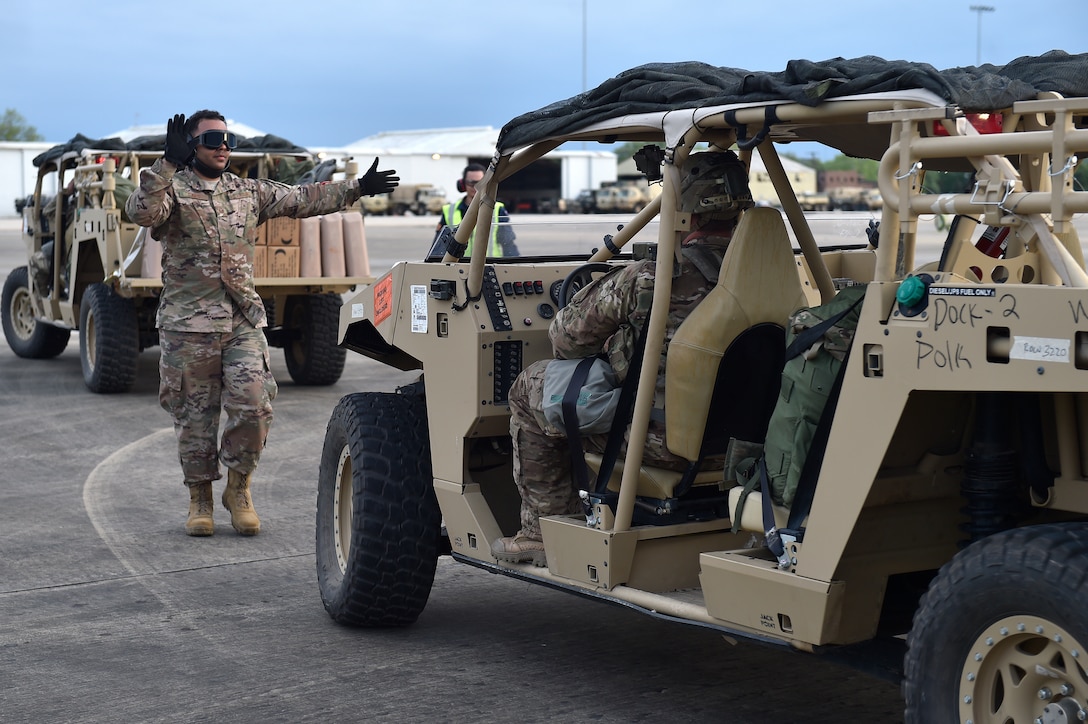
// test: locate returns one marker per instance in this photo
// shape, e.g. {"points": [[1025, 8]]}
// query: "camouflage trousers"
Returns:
{"points": [[204, 374], [542, 458]]}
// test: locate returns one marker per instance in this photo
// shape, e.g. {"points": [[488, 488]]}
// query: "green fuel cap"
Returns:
{"points": [[910, 292]]}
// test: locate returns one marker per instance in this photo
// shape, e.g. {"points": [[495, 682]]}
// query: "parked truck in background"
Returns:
{"points": [[814, 201], [625, 198], [854, 198], [584, 203], [419, 199], [376, 205]]}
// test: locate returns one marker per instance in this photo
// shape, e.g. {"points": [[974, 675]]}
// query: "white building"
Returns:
{"points": [[802, 178], [431, 156], [438, 156], [18, 173]]}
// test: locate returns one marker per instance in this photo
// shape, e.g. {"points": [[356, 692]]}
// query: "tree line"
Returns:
{"points": [[13, 127]]}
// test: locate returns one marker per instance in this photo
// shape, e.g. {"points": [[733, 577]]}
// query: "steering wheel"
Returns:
{"points": [[578, 279]]}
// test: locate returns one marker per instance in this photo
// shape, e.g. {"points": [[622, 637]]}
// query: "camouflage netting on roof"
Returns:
{"points": [[658, 87], [79, 142]]}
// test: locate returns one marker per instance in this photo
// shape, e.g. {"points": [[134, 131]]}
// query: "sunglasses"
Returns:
{"points": [[472, 183], [215, 139]]}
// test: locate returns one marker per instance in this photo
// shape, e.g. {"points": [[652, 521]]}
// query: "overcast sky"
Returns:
{"points": [[329, 72]]}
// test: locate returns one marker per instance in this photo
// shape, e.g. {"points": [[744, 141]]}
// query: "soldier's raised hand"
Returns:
{"points": [[177, 150], [378, 182]]}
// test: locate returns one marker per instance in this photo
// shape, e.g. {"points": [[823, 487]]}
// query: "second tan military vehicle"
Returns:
{"points": [[91, 270]]}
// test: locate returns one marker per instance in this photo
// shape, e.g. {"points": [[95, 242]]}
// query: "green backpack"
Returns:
{"points": [[818, 343]]}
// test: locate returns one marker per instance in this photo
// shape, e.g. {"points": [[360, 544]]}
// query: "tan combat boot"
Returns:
{"points": [[201, 507], [236, 499], [520, 549]]}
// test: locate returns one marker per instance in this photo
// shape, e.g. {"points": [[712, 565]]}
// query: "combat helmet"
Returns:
{"points": [[714, 182]]}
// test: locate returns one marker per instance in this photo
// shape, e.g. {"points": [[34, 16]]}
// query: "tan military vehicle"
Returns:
{"points": [[90, 269], [853, 198], [625, 198], [376, 205], [419, 199], [814, 201], [939, 530]]}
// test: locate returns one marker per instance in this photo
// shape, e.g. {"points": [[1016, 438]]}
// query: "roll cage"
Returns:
{"points": [[1023, 178]]}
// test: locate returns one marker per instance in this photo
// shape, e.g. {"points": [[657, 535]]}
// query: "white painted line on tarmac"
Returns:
{"points": [[99, 496]]}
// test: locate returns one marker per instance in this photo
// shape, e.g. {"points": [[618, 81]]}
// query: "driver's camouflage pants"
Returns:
{"points": [[541, 457]]}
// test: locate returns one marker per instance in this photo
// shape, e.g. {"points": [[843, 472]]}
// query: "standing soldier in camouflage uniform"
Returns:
{"points": [[214, 354], [605, 318]]}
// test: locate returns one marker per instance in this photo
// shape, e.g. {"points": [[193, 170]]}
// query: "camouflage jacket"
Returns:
{"points": [[208, 231], [837, 338], [607, 316]]}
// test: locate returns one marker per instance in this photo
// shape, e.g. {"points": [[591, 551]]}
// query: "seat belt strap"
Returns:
{"points": [[773, 539], [624, 409], [570, 422]]}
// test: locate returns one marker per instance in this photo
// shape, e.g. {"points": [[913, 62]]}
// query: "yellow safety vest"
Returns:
{"points": [[451, 215]]}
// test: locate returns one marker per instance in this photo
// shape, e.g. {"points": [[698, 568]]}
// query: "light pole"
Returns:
{"points": [[585, 75], [980, 9], [585, 43]]}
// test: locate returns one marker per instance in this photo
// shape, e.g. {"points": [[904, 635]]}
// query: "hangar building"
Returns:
{"points": [[437, 157]]}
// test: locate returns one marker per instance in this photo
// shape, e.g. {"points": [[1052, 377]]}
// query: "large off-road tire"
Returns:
{"points": [[378, 521], [109, 340], [312, 352], [1001, 634], [26, 336]]}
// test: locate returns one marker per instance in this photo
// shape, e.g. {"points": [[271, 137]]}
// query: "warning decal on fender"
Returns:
{"points": [[383, 300]]}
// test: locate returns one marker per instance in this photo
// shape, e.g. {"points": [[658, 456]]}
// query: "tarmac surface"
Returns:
{"points": [[108, 611]]}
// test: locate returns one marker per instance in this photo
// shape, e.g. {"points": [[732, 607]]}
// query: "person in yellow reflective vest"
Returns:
{"points": [[502, 236]]}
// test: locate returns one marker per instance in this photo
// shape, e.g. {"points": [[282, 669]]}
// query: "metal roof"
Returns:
{"points": [[465, 141]]}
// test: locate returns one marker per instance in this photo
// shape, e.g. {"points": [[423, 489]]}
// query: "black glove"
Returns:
{"points": [[377, 182], [177, 149]]}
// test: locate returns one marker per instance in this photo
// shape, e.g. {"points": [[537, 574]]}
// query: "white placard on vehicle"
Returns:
{"points": [[419, 308], [1042, 349]]}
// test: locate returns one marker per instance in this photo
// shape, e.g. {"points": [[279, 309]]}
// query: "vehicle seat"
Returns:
{"points": [[724, 364]]}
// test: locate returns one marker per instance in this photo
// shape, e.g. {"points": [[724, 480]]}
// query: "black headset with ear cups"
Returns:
{"points": [[461, 188]]}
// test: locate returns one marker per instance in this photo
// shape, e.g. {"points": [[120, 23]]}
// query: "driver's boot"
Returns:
{"points": [[236, 499], [201, 506]]}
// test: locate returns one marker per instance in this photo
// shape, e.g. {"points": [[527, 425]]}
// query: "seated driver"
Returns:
{"points": [[605, 318]]}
